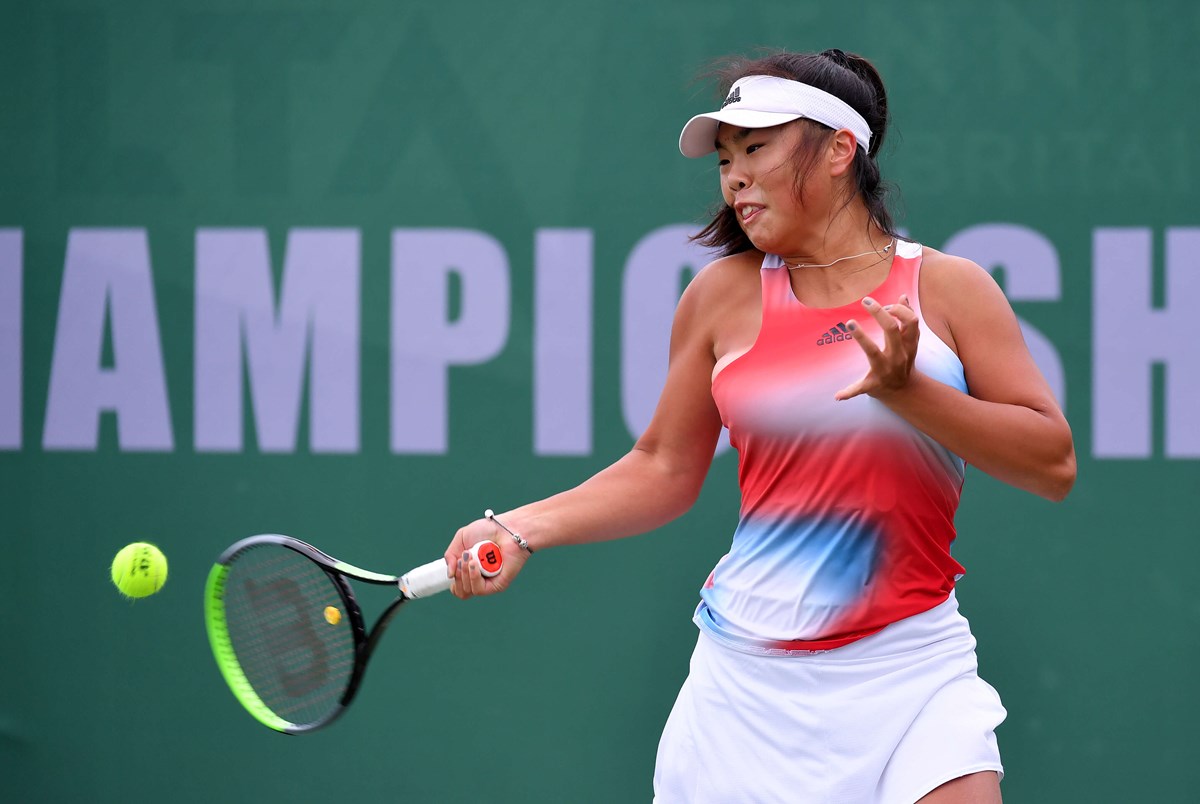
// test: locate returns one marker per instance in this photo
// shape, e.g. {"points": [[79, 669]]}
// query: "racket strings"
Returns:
{"points": [[298, 660]]}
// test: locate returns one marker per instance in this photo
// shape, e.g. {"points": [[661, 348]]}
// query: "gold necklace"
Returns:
{"points": [[882, 255]]}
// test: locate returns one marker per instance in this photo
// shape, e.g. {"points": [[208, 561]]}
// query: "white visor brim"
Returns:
{"points": [[699, 136]]}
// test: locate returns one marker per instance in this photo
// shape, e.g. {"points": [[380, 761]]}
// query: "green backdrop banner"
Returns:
{"points": [[356, 271]]}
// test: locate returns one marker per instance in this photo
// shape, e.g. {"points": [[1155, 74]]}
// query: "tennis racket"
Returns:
{"points": [[287, 631]]}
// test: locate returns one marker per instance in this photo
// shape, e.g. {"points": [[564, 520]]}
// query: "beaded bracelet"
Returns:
{"points": [[524, 545]]}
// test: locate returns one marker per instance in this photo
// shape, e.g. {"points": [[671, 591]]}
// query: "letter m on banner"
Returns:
{"points": [[315, 326]]}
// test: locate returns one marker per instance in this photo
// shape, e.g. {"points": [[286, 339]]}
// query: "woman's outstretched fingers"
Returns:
{"points": [[889, 365], [910, 326], [903, 313], [880, 313], [850, 391], [869, 346], [889, 323], [873, 355]]}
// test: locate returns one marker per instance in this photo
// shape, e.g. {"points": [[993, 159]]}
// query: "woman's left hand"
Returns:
{"points": [[891, 366]]}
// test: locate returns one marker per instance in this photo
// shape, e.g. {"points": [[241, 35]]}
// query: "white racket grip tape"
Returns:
{"points": [[430, 579], [425, 580]]}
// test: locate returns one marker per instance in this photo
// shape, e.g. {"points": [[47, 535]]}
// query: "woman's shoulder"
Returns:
{"points": [[957, 296], [952, 286], [720, 290], [727, 273], [941, 272], [735, 264]]}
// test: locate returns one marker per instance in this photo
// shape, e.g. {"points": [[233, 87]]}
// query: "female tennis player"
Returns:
{"points": [[857, 372]]}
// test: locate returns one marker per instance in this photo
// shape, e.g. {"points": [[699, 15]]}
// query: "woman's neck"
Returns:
{"points": [[847, 234], [842, 267]]}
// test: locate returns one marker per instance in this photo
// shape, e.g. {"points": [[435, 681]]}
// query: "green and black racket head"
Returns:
{"points": [[287, 632]]}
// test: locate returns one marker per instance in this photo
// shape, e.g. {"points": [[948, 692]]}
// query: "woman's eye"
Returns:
{"points": [[751, 149], [723, 163]]}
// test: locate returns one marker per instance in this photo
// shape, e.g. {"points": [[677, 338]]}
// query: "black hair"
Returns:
{"points": [[849, 77]]}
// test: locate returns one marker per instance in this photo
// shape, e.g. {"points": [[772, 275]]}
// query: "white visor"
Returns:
{"points": [[760, 101]]}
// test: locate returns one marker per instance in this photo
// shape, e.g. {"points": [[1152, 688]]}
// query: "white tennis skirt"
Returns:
{"points": [[883, 720]]}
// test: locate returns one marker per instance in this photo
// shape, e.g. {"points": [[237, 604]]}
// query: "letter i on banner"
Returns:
{"points": [[562, 355], [10, 338]]}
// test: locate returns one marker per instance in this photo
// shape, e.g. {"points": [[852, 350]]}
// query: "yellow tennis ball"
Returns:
{"points": [[332, 615], [140, 569]]}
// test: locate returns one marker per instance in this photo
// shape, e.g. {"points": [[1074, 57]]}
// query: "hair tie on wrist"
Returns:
{"points": [[524, 545]]}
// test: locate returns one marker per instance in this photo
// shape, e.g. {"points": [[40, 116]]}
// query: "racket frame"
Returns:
{"points": [[337, 571]]}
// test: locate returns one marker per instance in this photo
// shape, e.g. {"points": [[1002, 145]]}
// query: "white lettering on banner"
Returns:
{"points": [[1129, 336], [650, 291], [314, 331], [318, 308], [425, 341], [11, 266], [107, 273], [562, 342], [1031, 273]]}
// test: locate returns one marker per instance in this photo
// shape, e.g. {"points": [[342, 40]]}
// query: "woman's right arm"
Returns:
{"points": [[657, 481]]}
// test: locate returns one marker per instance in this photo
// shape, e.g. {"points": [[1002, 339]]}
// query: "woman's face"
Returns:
{"points": [[758, 180]]}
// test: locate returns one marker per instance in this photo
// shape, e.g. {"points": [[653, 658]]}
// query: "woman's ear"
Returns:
{"points": [[842, 148]]}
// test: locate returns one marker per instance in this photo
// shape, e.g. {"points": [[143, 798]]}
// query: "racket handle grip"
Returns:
{"points": [[430, 579]]}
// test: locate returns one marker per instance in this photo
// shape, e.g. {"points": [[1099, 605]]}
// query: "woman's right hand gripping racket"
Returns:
{"points": [[287, 631]]}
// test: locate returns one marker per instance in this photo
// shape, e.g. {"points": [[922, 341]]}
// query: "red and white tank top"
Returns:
{"points": [[847, 511]]}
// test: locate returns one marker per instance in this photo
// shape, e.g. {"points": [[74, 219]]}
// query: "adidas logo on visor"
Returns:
{"points": [[734, 97]]}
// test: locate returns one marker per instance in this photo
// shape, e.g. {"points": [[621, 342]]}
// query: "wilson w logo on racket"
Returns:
{"points": [[287, 631]]}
